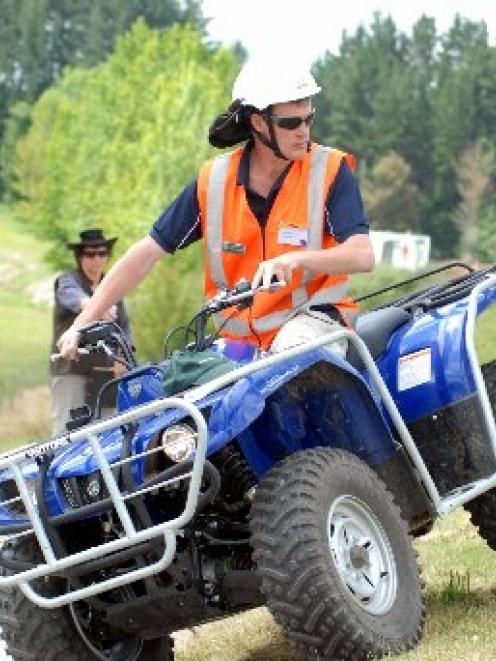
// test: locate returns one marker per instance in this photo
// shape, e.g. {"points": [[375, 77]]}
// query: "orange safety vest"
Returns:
{"points": [[235, 244]]}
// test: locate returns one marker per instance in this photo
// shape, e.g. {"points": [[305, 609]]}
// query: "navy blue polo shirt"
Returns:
{"points": [[179, 225]]}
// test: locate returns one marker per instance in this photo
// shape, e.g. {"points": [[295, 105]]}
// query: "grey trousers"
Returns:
{"points": [[69, 392]]}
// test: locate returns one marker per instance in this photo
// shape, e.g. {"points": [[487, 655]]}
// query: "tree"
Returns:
{"points": [[16, 125], [425, 97], [486, 248], [346, 105], [113, 145], [475, 168], [462, 113], [39, 38], [390, 197]]}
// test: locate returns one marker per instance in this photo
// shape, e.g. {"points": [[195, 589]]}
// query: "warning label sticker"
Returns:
{"points": [[414, 369]]}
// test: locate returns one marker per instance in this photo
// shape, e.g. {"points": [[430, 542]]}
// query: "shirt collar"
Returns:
{"points": [[243, 176]]}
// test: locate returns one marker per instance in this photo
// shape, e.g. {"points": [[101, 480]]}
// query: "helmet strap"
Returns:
{"points": [[271, 143]]}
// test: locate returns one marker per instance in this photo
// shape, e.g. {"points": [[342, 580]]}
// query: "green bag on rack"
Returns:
{"points": [[194, 368]]}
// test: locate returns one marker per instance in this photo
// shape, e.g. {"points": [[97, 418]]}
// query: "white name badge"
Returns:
{"points": [[292, 236]]}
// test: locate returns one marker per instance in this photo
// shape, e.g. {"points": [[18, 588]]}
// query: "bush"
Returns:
{"points": [[112, 146]]}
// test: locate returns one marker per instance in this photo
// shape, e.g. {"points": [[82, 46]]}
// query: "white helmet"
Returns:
{"points": [[262, 83]]}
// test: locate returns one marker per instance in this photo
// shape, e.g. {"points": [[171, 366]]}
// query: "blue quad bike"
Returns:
{"points": [[231, 479]]}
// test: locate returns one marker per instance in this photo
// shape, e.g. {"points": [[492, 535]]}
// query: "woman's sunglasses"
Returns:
{"points": [[91, 254], [292, 123]]}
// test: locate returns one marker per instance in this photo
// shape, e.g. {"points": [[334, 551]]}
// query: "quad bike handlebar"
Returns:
{"points": [[104, 337], [107, 337], [241, 295], [239, 298]]}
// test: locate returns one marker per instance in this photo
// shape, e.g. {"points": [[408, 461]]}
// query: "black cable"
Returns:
{"points": [[205, 311], [170, 335], [414, 279], [216, 335], [446, 293]]}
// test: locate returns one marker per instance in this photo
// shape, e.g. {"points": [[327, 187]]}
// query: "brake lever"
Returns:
{"points": [[273, 286], [227, 299], [57, 356]]}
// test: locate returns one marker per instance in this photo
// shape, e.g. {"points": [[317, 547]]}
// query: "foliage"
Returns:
{"points": [[486, 251], [390, 197], [425, 96], [16, 125], [475, 168], [112, 146], [39, 38]]}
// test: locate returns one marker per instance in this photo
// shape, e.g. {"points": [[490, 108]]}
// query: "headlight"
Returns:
{"points": [[178, 442]]}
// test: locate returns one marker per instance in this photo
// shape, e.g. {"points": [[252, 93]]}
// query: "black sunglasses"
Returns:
{"points": [[95, 253], [292, 123]]}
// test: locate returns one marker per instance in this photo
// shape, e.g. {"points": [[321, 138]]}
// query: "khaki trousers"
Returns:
{"points": [[69, 392]]}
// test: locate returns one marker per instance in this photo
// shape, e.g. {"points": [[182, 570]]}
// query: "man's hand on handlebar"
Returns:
{"points": [[111, 314], [279, 269], [68, 343]]}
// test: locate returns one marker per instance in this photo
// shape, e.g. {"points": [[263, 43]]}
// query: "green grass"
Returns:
{"points": [[24, 347], [25, 418], [485, 335], [16, 237], [25, 326]]}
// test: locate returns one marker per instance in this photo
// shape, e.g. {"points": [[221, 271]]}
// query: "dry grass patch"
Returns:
{"points": [[250, 636], [25, 417]]}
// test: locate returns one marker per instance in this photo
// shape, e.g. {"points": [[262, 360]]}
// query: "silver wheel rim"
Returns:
{"points": [[362, 554]]}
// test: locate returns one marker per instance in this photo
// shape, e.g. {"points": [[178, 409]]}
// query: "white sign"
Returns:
{"points": [[401, 250], [414, 369]]}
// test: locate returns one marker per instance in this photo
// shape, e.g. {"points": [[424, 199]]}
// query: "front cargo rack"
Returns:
{"points": [[27, 504]]}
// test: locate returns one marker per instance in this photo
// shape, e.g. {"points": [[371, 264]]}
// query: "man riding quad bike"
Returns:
{"points": [[232, 478]]}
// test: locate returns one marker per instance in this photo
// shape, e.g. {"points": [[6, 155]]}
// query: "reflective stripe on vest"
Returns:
{"points": [[235, 325], [215, 213], [316, 202], [322, 297], [277, 319]]}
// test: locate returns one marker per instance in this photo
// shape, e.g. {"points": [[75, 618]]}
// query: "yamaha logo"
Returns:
{"points": [[135, 389]]}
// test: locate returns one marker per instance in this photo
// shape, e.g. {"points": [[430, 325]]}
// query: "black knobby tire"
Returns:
{"points": [[41, 634], [483, 515], [324, 528]]}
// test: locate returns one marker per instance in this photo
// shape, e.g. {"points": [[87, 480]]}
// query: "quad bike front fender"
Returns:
{"points": [[316, 399]]}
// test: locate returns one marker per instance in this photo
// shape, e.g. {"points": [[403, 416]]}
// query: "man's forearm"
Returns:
{"points": [[349, 257], [122, 278]]}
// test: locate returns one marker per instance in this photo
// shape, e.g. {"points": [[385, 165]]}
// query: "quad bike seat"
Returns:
{"points": [[375, 328]]}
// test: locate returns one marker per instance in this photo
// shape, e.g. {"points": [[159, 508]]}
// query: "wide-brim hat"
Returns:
{"points": [[92, 238]]}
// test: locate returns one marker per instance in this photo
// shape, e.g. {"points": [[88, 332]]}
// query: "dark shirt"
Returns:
{"points": [[179, 225], [69, 288], [72, 287]]}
